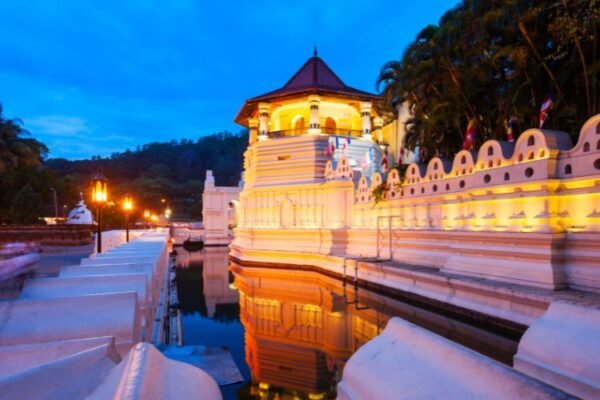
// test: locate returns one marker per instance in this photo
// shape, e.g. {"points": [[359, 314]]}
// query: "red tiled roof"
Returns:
{"points": [[314, 77]]}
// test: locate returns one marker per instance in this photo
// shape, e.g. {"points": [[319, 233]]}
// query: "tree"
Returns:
{"points": [[492, 60], [15, 148], [26, 207]]}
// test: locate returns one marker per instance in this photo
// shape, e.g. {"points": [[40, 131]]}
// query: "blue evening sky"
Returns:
{"points": [[96, 77]]}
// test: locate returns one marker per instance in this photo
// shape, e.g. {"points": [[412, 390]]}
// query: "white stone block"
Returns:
{"points": [[406, 361], [146, 374], [50, 288], [562, 348], [57, 370], [52, 320]]}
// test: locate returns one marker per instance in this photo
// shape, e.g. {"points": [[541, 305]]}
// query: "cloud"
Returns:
{"points": [[60, 125]]}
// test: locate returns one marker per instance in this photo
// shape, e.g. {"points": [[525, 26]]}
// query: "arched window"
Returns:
{"points": [[299, 124], [531, 141], [568, 169], [586, 147], [490, 151], [330, 125]]}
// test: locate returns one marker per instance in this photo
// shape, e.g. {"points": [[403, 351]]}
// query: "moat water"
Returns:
{"points": [[290, 332]]}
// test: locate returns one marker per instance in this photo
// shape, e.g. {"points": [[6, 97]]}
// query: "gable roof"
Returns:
{"points": [[314, 77]]}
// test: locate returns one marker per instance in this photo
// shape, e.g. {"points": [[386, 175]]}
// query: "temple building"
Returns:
{"points": [[319, 116], [507, 232]]}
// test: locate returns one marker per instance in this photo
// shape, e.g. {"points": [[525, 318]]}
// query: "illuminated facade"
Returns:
{"points": [[525, 212]]}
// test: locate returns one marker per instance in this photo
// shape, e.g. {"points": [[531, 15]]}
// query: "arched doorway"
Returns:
{"points": [[299, 124], [330, 125]]}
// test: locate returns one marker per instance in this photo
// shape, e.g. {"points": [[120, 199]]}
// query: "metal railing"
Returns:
{"points": [[304, 131]]}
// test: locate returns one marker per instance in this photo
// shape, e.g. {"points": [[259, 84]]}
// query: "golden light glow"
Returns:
{"points": [[153, 217], [128, 203], [99, 189], [146, 214]]}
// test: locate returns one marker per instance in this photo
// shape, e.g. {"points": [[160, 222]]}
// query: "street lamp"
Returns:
{"points": [[127, 207], [99, 197]]}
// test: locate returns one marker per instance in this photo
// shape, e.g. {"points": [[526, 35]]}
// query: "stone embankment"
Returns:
{"points": [[83, 334], [50, 235]]}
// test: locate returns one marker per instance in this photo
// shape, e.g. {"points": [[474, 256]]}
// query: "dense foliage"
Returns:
{"points": [[26, 185], [489, 61], [158, 175]]}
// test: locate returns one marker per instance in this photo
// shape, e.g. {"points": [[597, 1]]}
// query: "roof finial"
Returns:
{"points": [[315, 51]]}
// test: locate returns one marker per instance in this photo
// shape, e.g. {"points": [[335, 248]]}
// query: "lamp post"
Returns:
{"points": [[99, 197], [127, 207], [55, 204]]}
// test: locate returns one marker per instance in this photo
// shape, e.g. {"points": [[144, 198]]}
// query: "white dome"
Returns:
{"points": [[80, 215]]}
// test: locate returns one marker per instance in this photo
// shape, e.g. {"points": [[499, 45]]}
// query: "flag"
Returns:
{"points": [[330, 148], [384, 161], [348, 140], [337, 142], [422, 154], [401, 157], [344, 145], [545, 110], [469, 141], [510, 129]]}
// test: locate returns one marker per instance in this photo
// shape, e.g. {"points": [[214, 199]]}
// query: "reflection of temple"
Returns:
{"points": [[302, 326], [212, 281], [218, 291]]}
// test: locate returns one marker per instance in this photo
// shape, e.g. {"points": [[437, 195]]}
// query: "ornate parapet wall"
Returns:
{"points": [[525, 212], [539, 184]]}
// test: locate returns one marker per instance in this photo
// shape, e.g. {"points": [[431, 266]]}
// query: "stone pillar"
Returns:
{"points": [[365, 112], [314, 125], [377, 131], [263, 120], [253, 125]]}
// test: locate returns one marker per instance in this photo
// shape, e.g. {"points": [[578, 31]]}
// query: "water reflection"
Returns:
{"points": [[291, 331], [301, 327], [209, 306]]}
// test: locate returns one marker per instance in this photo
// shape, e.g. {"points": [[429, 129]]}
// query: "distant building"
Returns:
{"points": [[80, 214]]}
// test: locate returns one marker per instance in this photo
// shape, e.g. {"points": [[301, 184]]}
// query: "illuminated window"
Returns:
{"points": [[330, 125], [299, 125]]}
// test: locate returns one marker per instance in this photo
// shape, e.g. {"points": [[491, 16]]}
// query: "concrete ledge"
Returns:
{"points": [[146, 374], [51, 320], [410, 362], [52, 288], [38, 371], [563, 349], [500, 300]]}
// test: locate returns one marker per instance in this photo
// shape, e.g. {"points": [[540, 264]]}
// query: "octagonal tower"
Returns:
{"points": [[313, 118]]}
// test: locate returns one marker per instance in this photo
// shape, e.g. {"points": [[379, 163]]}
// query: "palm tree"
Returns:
{"points": [[15, 148]]}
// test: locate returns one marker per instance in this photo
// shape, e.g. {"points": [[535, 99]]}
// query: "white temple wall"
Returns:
{"points": [[218, 211], [512, 212]]}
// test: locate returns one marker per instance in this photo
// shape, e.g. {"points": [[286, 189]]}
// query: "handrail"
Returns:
{"points": [[304, 131]]}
